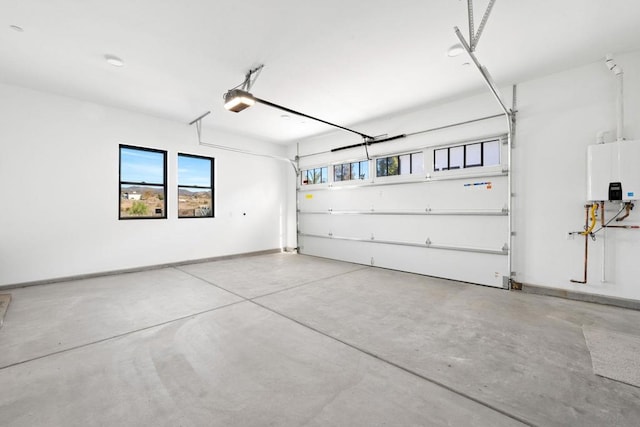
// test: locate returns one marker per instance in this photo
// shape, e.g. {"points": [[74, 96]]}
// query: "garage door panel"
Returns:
{"points": [[454, 224], [445, 230], [464, 195], [478, 232], [484, 269]]}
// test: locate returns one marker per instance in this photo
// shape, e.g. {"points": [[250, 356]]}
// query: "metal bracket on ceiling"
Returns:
{"points": [[198, 122], [475, 37], [366, 141], [251, 77]]}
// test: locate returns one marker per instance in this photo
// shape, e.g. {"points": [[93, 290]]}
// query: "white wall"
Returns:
{"points": [[59, 181], [59, 177], [558, 116]]}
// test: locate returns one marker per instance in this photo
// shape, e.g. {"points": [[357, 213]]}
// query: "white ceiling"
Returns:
{"points": [[339, 60]]}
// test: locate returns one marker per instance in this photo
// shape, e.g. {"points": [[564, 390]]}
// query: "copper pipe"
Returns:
{"points": [[603, 277], [628, 207], [586, 246]]}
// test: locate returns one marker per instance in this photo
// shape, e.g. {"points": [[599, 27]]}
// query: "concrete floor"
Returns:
{"points": [[290, 340]]}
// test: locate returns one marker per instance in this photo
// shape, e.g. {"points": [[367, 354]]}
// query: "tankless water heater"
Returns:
{"points": [[613, 169]]}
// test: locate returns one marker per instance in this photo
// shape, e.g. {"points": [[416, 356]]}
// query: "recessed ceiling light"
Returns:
{"points": [[114, 60], [455, 50], [285, 116], [16, 28], [464, 64]]}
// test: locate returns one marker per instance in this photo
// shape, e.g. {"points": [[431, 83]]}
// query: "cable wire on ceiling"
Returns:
{"points": [[237, 100]]}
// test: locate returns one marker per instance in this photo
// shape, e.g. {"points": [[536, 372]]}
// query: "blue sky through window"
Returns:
{"points": [[194, 171], [141, 166]]}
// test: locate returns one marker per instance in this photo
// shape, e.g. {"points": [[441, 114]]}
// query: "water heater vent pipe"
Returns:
{"points": [[617, 70]]}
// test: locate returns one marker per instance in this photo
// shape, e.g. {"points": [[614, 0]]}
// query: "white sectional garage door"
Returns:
{"points": [[451, 223]]}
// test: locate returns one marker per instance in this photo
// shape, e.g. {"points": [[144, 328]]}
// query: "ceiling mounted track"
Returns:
{"points": [[239, 98], [470, 47], [474, 38]]}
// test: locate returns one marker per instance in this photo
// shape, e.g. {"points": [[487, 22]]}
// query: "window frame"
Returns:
{"points": [[412, 163], [465, 160], [466, 156], [304, 175], [349, 167], [142, 183], [212, 188]]}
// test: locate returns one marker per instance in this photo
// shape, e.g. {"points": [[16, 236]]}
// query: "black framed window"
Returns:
{"points": [[412, 163], [473, 155], [195, 186], [405, 164], [351, 171], [388, 166], [143, 177], [477, 154], [314, 176]]}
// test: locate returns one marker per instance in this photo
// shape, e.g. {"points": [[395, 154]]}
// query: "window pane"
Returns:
{"points": [[324, 175], [441, 161], [346, 172], [491, 154], [142, 183], [194, 171], [194, 202], [355, 170], [405, 164], [195, 186], [417, 163], [473, 155], [393, 165], [381, 167], [456, 157], [337, 173], [364, 170], [141, 166], [142, 201]]}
